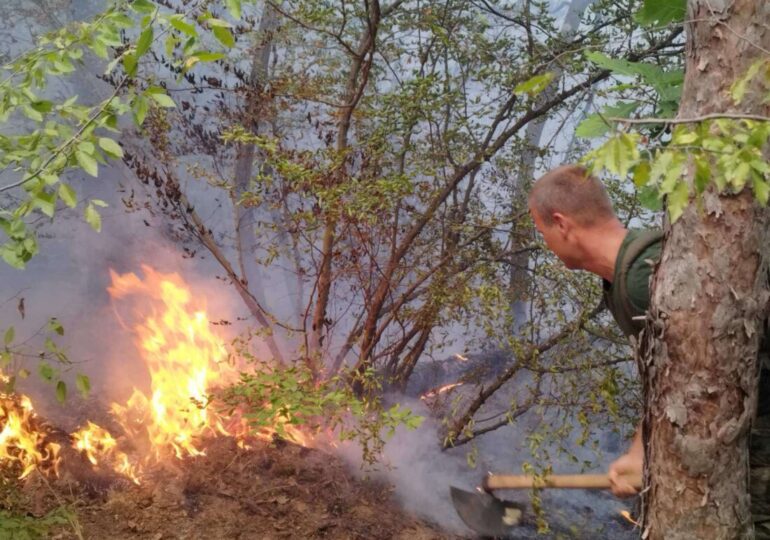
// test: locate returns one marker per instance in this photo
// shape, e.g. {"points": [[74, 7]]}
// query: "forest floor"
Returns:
{"points": [[270, 491]]}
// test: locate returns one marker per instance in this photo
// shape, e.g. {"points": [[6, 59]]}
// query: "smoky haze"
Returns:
{"points": [[69, 280]]}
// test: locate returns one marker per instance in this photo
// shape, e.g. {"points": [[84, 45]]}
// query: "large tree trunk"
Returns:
{"points": [[699, 359]]}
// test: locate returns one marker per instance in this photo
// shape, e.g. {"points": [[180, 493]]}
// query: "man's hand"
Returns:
{"points": [[622, 470]]}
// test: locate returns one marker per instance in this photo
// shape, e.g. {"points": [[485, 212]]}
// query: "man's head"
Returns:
{"points": [[566, 204]]}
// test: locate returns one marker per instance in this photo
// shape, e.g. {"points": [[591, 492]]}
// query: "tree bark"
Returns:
{"points": [[699, 352]]}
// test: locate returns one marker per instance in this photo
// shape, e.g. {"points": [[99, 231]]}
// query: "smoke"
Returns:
{"points": [[422, 474], [69, 278]]}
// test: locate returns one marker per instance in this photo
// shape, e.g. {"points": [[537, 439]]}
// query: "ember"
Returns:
{"points": [[626, 514], [440, 390]]}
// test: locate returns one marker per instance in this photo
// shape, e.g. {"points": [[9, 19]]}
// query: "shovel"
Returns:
{"points": [[490, 516]]}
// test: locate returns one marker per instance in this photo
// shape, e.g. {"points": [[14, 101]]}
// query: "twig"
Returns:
{"points": [[693, 120], [73, 522]]}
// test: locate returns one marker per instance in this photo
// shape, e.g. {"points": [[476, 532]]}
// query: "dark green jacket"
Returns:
{"points": [[628, 296]]}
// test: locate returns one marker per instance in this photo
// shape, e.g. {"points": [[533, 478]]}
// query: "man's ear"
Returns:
{"points": [[561, 222]]}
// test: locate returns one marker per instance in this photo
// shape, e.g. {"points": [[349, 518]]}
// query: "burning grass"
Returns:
{"points": [[185, 359], [166, 464]]}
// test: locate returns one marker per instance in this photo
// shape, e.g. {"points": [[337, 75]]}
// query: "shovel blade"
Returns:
{"points": [[486, 514]]}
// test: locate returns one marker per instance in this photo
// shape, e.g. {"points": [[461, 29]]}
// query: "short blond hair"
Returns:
{"points": [[572, 191]]}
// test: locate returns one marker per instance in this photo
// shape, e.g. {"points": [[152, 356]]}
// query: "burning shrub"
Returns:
{"points": [[275, 399]]}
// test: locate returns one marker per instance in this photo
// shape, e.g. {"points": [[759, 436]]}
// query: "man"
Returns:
{"points": [[574, 214]]}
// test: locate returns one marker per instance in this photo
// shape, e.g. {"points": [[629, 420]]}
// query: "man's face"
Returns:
{"points": [[558, 238]]}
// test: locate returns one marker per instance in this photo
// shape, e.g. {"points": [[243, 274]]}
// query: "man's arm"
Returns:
{"points": [[629, 465]]}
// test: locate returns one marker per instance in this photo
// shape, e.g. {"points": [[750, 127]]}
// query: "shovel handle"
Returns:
{"points": [[568, 481]]}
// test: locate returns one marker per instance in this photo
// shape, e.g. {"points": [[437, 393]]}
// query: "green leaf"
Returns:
{"points": [[190, 61], [234, 7], [61, 391], [739, 175], [46, 202], [9, 335], [129, 64], [661, 12], [596, 125], [677, 201], [55, 326], [93, 218], [738, 89], [83, 385], [702, 175], [760, 166], [164, 100], [171, 42], [140, 106], [177, 22], [683, 136], [224, 36], [45, 371], [87, 147], [672, 175], [667, 83], [660, 164], [534, 85], [99, 47], [642, 174], [761, 188], [142, 6], [144, 42], [621, 153], [208, 56], [218, 23], [111, 147], [87, 163], [42, 106], [31, 113]]}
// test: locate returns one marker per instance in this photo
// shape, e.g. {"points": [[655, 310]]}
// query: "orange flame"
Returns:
{"points": [[97, 443], [21, 440], [185, 360]]}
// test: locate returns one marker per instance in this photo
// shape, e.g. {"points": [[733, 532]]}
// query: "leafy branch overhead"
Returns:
{"points": [[725, 150], [54, 139]]}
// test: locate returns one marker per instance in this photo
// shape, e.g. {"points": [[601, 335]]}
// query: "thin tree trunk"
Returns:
{"points": [[245, 215], [356, 84], [699, 357], [250, 285], [520, 277]]}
